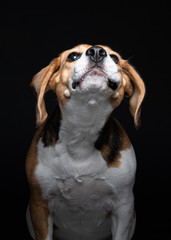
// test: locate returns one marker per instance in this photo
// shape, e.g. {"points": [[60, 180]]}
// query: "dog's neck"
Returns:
{"points": [[82, 119]]}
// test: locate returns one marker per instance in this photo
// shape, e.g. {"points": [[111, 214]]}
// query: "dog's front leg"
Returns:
{"points": [[41, 219], [123, 221]]}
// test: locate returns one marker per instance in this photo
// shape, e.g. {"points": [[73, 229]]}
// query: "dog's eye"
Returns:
{"points": [[73, 56], [115, 58]]}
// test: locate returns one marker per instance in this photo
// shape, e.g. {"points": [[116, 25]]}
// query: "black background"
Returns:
{"points": [[32, 35]]}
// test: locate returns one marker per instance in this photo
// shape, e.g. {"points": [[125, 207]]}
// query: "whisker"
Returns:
{"points": [[131, 57]]}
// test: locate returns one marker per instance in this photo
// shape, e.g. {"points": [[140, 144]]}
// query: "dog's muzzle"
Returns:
{"points": [[96, 57]]}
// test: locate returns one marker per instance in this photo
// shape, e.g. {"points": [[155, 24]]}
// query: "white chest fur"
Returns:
{"points": [[80, 193]]}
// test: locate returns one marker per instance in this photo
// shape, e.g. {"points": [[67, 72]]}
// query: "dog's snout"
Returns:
{"points": [[96, 54]]}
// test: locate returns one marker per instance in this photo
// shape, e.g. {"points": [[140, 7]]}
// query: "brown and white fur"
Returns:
{"points": [[81, 165]]}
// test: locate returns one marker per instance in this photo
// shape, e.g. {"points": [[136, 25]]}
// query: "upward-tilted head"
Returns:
{"points": [[89, 73]]}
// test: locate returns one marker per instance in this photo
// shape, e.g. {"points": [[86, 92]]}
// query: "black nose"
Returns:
{"points": [[96, 54]]}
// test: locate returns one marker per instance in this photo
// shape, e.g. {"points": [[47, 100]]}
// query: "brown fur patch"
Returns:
{"points": [[106, 151], [116, 163], [112, 140], [125, 145], [38, 206]]}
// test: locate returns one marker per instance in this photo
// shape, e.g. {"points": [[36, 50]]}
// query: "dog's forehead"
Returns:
{"points": [[81, 47]]}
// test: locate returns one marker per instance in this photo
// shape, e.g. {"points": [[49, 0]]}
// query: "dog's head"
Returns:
{"points": [[85, 70]]}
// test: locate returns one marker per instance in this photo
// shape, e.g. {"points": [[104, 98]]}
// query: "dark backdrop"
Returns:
{"points": [[32, 35]]}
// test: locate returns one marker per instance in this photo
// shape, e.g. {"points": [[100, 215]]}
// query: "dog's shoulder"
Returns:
{"points": [[32, 158]]}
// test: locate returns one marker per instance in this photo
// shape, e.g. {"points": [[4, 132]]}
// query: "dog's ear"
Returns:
{"points": [[41, 84], [134, 89]]}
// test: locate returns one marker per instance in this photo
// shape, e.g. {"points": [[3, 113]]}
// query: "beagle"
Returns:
{"points": [[81, 164]]}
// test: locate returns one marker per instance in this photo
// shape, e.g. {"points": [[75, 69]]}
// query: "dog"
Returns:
{"points": [[81, 164]]}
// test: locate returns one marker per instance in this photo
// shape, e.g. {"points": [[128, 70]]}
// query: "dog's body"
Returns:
{"points": [[81, 165]]}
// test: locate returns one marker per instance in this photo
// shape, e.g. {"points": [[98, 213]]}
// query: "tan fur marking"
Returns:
{"points": [[38, 206], [115, 101], [116, 163], [105, 151], [60, 88], [125, 145]]}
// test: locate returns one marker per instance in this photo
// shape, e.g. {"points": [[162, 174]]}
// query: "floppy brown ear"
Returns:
{"points": [[135, 90], [40, 83]]}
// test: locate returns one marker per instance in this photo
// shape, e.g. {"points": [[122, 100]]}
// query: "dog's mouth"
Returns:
{"points": [[95, 74]]}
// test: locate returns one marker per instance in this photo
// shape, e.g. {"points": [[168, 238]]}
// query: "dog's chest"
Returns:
{"points": [[72, 181], [82, 193], [78, 193]]}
